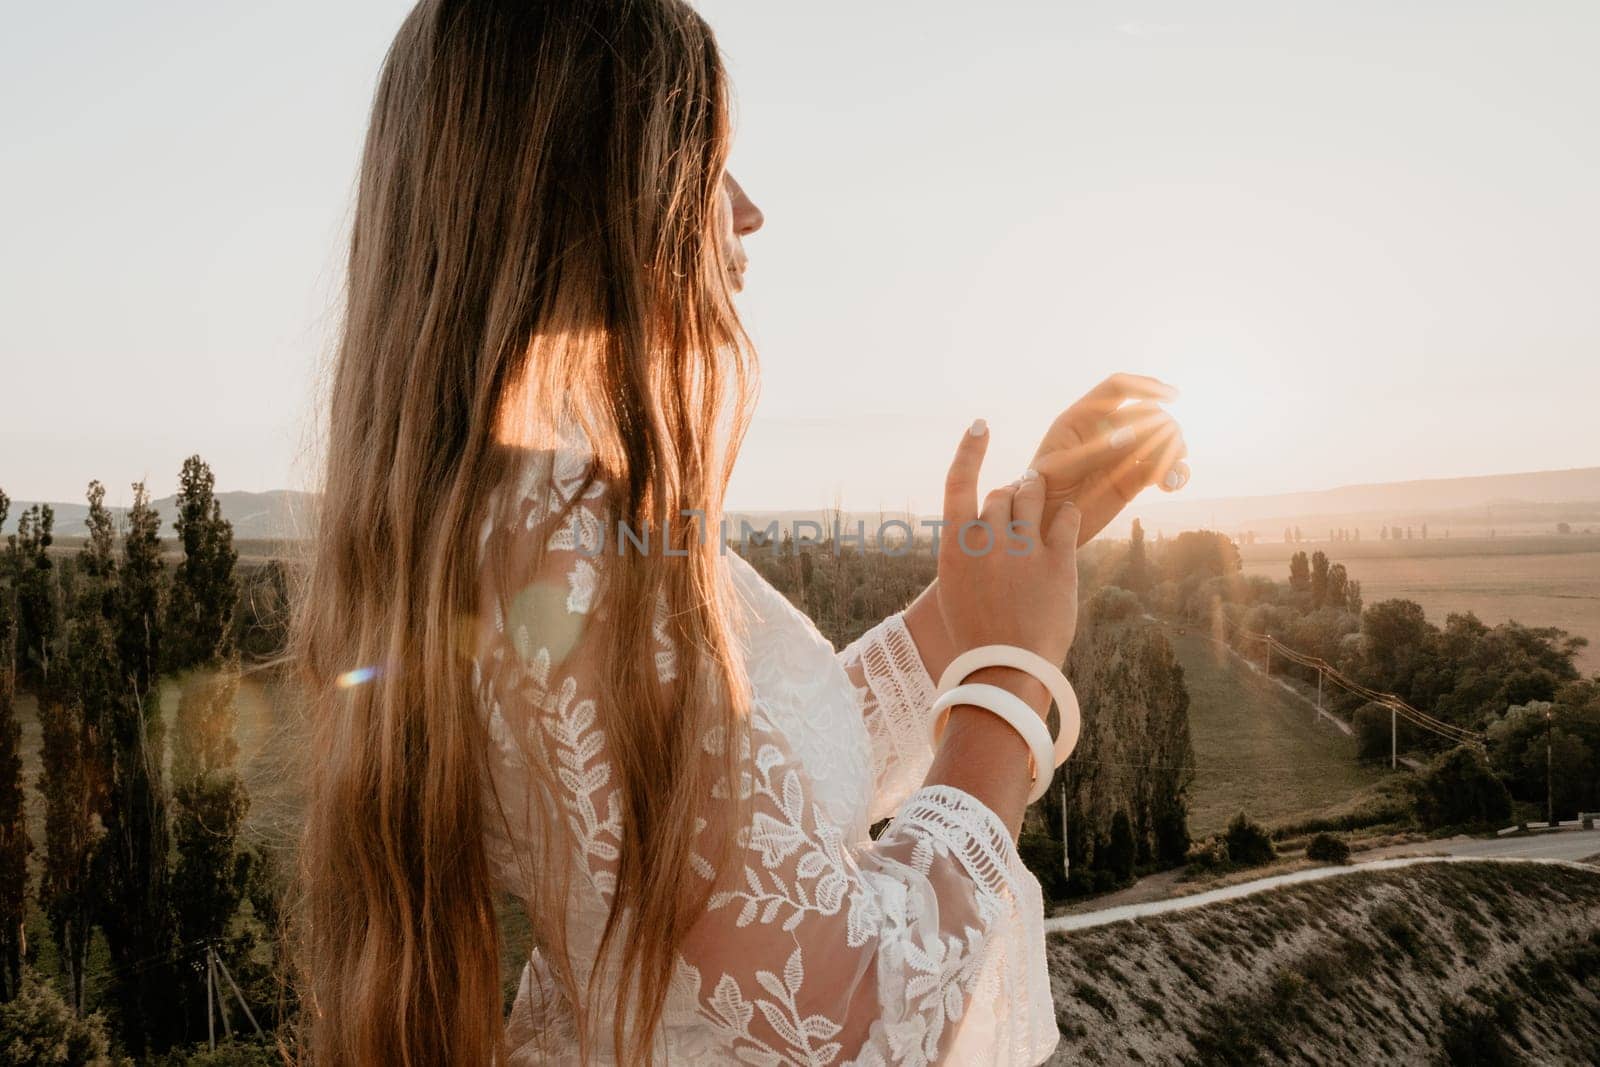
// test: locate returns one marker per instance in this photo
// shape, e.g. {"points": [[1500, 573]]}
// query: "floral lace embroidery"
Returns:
{"points": [[916, 948]]}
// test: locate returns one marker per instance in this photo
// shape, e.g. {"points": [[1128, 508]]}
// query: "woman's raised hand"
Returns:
{"points": [[1003, 578], [1102, 451]]}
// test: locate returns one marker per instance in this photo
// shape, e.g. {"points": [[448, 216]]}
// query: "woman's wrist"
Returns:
{"points": [[925, 622], [1019, 682]]}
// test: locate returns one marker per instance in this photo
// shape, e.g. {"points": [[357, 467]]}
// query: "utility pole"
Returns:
{"points": [[211, 1022], [1065, 861], [1394, 740], [1549, 778], [238, 994], [222, 1003]]}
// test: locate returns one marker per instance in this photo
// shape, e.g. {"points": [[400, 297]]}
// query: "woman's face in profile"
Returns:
{"points": [[740, 218]]}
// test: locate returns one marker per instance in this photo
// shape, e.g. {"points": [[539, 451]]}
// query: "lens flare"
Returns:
{"points": [[359, 676]]}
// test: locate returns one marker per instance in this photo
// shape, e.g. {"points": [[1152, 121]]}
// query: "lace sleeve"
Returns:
{"points": [[924, 946], [894, 693]]}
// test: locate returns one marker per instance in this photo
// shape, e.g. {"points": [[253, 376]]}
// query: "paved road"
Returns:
{"points": [[1563, 849], [1553, 845]]}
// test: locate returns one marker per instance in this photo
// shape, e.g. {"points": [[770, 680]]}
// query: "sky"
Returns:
{"points": [[1360, 237]]}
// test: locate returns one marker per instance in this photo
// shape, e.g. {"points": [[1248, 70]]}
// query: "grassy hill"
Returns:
{"points": [[1256, 748], [1451, 963]]}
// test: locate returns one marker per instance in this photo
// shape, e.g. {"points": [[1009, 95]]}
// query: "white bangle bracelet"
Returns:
{"points": [[1014, 710], [1047, 674]]}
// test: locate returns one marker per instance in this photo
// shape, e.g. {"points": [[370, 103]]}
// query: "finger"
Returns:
{"points": [[1027, 505], [1064, 527], [981, 535], [1067, 467], [1112, 393], [961, 483], [1176, 478], [997, 506], [1116, 431], [1153, 461]]}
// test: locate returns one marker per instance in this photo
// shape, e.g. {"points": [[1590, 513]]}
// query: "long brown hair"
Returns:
{"points": [[535, 239]]}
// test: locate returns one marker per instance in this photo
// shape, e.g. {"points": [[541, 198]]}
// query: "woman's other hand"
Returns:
{"points": [[1100, 454]]}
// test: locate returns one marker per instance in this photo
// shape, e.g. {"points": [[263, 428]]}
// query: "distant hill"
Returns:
{"points": [[1507, 503], [276, 515]]}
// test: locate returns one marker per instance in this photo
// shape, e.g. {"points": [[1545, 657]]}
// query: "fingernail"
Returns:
{"points": [[1029, 475], [1175, 479], [979, 427], [1122, 437]]}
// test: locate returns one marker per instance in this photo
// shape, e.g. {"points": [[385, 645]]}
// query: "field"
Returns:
{"points": [[1255, 746], [1538, 581], [1454, 963]]}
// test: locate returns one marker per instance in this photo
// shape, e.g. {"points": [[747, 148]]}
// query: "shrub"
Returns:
{"points": [[1209, 855], [227, 1054], [1249, 844], [1459, 789], [1326, 848], [37, 1028]]}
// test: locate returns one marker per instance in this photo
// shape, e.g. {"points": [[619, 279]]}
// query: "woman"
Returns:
{"points": [[650, 747]]}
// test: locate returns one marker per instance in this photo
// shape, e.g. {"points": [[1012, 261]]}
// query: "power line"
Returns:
{"points": [[1421, 719]]}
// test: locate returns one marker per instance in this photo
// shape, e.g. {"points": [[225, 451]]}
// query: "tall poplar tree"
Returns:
{"points": [[1137, 577], [1319, 579], [136, 911], [209, 799], [200, 609], [36, 603], [1299, 573], [15, 844], [73, 778]]}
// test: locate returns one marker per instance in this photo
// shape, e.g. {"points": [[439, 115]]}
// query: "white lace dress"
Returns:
{"points": [[923, 946]]}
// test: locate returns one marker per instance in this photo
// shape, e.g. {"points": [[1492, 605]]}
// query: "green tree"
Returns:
{"points": [[15, 844], [204, 591], [1338, 586], [1319, 579], [1119, 850], [33, 578], [1396, 639], [1459, 789], [1199, 554], [1135, 715], [1299, 573], [38, 1029], [73, 726], [1552, 748], [209, 800], [66, 888], [1136, 573], [134, 866]]}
